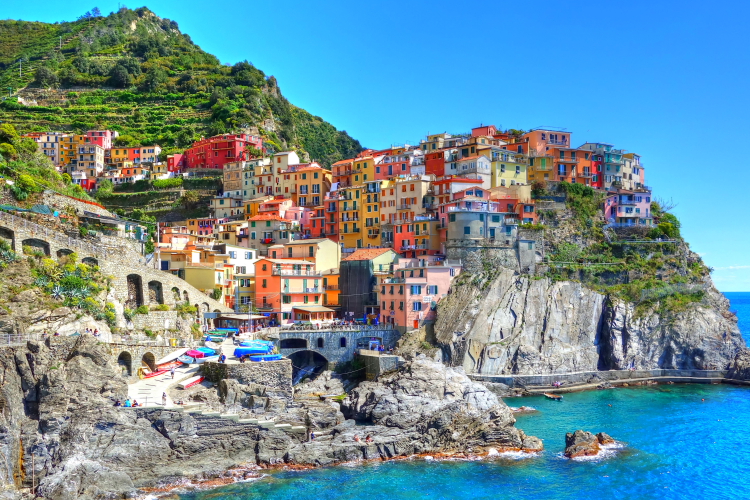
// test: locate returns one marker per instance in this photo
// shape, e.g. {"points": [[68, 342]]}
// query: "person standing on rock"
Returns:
{"points": [[164, 399]]}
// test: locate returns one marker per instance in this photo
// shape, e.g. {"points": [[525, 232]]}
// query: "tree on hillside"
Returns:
{"points": [[45, 77], [95, 12], [189, 200], [155, 77]]}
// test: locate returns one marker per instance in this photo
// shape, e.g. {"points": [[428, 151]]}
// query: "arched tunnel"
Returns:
{"points": [[307, 364]]}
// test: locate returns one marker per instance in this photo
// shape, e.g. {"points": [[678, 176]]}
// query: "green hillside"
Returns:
{"points": [[138, 74]]}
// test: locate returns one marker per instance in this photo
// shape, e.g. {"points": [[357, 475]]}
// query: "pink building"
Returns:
{"points": [[410, 297], [277, 207], [101, 138]]}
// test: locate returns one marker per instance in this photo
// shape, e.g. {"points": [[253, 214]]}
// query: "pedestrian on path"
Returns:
{"points": [[172, 372], [164, 399]]}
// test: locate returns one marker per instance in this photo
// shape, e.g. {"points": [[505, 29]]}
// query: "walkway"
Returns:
{"points": [[148, 391]]}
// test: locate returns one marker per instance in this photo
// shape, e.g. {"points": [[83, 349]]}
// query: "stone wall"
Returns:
{"points": [[376, 364], [276, 375], [59, 202], [162, 322]]}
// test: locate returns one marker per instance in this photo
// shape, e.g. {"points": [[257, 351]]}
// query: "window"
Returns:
{"points": [[467, 230], [342, 342], [264, 267], [416, 289], [321, 342], [265, 284], [417, 306], [286, 299], [495, 218]]}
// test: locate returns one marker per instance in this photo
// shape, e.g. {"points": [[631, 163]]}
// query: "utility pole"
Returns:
{"points": [[61, 43]]}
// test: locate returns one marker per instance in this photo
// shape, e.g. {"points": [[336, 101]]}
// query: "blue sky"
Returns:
{"points": [[663, 79]]}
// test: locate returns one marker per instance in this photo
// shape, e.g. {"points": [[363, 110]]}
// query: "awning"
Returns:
{"points": [[313, 309], [240, 317]]}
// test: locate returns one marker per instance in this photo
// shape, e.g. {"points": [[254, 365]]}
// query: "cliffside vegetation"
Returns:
{"points": [[649, 266], [138, 74]]}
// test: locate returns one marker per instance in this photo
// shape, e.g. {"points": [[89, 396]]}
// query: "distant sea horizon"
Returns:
{"points": [[740, 304]]}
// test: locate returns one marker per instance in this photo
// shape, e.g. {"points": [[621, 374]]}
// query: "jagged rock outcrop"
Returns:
{"points": [[740, 367], [585, 444], [517, 325]]}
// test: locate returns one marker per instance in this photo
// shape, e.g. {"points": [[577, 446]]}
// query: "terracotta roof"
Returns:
{"points": [[275, 202], [269, 217], [367, 253], [343, 162]]}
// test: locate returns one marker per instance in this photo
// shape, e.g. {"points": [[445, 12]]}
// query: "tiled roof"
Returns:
{"points": [[269, 217], [367, 253]]}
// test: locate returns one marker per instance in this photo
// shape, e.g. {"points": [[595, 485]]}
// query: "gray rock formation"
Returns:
{"points": [[57, 408], [517, 325], [740, 367]]}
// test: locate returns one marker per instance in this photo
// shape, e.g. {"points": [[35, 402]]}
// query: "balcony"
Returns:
{"points": [[383, 269], [331, 287], [295, 272], [557, 142], [348, 218], [413, 247]]}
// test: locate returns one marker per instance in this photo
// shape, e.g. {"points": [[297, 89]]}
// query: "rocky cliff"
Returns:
{"points": [[513, 324], [61, 434]]}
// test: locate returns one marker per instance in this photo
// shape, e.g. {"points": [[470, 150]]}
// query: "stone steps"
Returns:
{"points": [[235, 417]]}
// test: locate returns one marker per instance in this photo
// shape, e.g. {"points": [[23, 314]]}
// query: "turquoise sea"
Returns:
{"points": [[683, 442]]}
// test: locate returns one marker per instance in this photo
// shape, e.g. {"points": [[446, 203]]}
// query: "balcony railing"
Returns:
{"points": [[331, 287], [295, 272], [557, 142], [567, 160]]}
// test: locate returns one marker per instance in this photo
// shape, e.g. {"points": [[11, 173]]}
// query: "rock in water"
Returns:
{"points": [[585, 444]]}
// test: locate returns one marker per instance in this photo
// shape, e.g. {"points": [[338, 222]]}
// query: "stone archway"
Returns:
{"points": [[205, 307], [155, 292], [90, 261], [64, 252], [185, 297], [135, 291], [149, 361], [306, 364], [125, 361], [9, 236], [176, 293], [36, 244]]}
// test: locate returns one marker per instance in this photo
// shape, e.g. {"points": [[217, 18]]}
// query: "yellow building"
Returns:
{"points": [[508, 168], [541, 168], [371, 212], [350, 228], [323, 252]]}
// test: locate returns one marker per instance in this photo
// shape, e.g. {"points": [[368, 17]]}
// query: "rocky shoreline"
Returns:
{"points": [[66, 440]]}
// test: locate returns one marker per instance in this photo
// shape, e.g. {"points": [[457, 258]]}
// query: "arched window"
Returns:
{"points": [[320, 342]]}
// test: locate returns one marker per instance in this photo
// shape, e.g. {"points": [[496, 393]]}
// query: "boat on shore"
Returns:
{"points": [[553, 397], [189, 360], [265, 357]]}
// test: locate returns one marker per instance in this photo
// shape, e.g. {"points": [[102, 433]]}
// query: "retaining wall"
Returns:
{"points": [[375, 364], [571, 380], [276, 375]]}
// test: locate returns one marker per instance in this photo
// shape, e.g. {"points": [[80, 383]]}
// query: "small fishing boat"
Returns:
{"points": [[253, 343], [206, 351], [216, 336], [191, 382], [155, 374], [553, 397], [266, 357], [251, 351], [189, 360], [212, 345], [193, 353]]}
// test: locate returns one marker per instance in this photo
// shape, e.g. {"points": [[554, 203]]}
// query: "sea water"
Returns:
{"points": [[680, 442]]}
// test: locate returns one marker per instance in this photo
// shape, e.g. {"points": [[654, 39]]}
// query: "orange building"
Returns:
{"points": [[290, 290]]}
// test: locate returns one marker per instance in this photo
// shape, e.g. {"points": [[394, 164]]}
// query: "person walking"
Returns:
{"points": [[171, 371], [164, 399]]}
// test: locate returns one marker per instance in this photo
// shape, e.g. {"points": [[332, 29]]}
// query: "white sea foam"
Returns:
{"points": [[606, 451]]}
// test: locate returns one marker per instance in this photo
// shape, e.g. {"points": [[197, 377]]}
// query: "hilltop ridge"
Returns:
{"points": [[138, 74]]}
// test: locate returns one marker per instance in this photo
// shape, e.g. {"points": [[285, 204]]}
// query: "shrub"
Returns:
{"points": [[128, 313], [142, 310], [149, 333], [184, 309], [161, 307]]}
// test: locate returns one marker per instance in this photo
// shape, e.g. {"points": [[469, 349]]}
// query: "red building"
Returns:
{"points": [[217, 151], [175, 162], [434, 163]]}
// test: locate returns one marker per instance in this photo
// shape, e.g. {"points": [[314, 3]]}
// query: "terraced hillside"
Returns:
{"points": [[138, 74]]}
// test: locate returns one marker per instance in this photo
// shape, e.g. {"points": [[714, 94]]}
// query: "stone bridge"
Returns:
{"points": [[134, 282], [331, 346]]}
